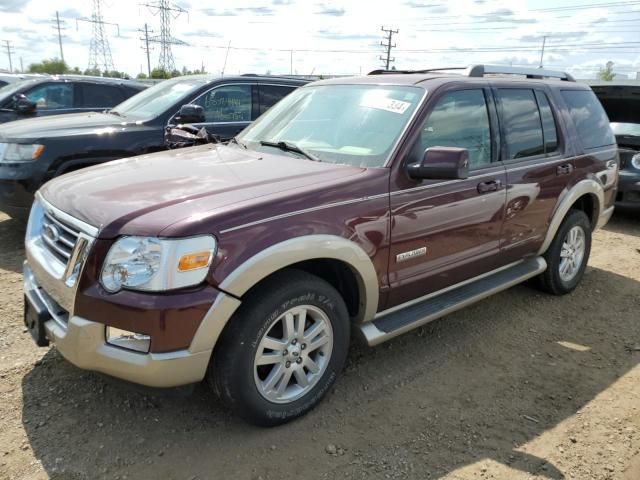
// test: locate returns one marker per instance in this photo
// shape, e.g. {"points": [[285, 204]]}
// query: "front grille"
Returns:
{"points": [[58, 237]]}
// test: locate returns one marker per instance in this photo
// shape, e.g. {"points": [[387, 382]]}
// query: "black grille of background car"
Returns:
{"points": [[58, 237]]}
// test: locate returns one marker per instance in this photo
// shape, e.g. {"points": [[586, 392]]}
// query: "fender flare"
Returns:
{"points": [[583, 187], [278, 257]]}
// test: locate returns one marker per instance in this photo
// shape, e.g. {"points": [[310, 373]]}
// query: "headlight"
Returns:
{"points": [[17, 152], [635, 161], [157, 264]]}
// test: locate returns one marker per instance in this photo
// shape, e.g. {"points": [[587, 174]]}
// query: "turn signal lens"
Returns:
{"points": [[39, 149], [193, 261]]}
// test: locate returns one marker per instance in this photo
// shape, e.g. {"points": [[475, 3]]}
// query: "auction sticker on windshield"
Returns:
{"points": [[387, 104]]}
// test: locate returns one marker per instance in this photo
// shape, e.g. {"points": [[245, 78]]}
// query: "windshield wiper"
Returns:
{"points": [[113, 112], [235, 140], [290, 147]]}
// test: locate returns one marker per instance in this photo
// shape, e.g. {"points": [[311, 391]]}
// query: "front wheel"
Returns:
{"points": [[283, 350], [568, 254]]}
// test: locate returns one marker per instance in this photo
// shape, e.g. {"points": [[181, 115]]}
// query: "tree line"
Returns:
{"points": [[55, 66]]}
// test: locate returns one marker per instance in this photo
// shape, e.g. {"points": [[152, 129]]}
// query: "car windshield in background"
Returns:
{"points": [[155, 100], [350, 124], [12, 88], [631, 129]]}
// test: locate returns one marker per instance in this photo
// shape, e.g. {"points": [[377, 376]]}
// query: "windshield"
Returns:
{"points": [[11, 89], [155, 100], [350, 124], [632, 129]]}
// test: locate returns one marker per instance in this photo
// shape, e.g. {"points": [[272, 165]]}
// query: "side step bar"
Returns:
{"points": [[396, 321]]}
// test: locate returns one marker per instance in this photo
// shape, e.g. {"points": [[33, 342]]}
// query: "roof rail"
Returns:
{"points": [[539, 73], [482, 70]]}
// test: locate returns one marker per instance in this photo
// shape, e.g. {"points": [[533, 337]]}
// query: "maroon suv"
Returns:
{"points": [[370, 205]]}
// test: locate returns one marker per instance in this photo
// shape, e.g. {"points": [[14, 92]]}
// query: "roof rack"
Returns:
{"points": [[482, 70]]}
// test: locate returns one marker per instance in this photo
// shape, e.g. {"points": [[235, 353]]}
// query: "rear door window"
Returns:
{"points": [[521, 123], [270, 95], [589, 117], [52, 96], [229, 103], [95, 95], [549, 127]]}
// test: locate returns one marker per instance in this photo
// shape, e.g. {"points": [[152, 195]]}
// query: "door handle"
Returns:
{"points": [[490, 186], [565, 169]]}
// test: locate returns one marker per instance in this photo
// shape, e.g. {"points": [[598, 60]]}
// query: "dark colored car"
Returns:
{"points": [[60, 94], [370, 205], [6, 78], [47, 147], [621, 101]]}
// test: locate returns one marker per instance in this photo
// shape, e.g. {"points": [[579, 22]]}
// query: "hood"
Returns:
{"points": [[621, 102], [62, 125], [148, 193]]}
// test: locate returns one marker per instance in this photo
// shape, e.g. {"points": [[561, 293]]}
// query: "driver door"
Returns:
{"points": [[227, 109], [446, 231]]}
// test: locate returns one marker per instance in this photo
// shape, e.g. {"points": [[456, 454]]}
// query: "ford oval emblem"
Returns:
{"points": [[52, 233]]}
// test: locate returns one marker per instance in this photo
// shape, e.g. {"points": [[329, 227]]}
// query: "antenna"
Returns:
{"points": [[166, 10], [99, 49]]}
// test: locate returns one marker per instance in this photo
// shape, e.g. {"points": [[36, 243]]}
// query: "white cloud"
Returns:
{"points": [[340, 37]]}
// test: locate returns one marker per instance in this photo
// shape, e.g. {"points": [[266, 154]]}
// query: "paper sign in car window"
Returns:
{"points": [[384, 103]]}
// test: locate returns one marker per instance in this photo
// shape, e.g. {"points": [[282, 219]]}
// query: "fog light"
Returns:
{"points": [[129, 340]]}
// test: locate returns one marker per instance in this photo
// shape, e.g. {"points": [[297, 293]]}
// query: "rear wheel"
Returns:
{"points": [[283, 350], [568, 254]]}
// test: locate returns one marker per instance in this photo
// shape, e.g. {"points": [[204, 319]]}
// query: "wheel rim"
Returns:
{"points": [[293, 354], [572, 253]]}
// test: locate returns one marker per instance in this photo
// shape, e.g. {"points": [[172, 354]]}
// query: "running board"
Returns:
{"points": [[396, 321]]}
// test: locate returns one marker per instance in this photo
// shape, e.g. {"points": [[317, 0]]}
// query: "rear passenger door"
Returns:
{"points": [[533, 151], [95, 96], [269, 95], [446, 231]]}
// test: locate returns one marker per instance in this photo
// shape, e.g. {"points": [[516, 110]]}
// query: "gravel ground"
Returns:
{"points": [[520, 386]]}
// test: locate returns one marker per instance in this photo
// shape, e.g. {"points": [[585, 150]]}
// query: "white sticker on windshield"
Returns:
{"points": [[387, 104]]}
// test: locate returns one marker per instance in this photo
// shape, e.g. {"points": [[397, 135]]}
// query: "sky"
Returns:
{"points": [[336, 37]]}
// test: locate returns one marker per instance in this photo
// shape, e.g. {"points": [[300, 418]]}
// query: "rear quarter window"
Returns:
{"points": [[589, 117]]}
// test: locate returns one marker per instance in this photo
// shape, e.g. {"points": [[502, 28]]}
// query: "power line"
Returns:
{"points": [[166, 10], [389, 35], [59, 26], [10, 50], [99, 49], [587, 6]]}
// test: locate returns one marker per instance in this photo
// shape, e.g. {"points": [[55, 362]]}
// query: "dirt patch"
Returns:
{"points": [[522, 385]]}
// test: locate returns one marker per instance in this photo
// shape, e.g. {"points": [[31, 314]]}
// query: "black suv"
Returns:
{"points": [[621, 101], [34, 151], [54, 95]]}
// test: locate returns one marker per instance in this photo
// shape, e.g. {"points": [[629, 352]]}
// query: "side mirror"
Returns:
{"points": [[190, 113], [441, 163], [22, 104]]}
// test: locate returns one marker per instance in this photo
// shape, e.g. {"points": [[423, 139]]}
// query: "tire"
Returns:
{"points": [[244, 367], [563, 277]]}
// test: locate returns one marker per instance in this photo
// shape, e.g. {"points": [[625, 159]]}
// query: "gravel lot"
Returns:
{"points": [[522, 385]]}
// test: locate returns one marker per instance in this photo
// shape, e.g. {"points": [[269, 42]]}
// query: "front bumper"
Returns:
{"points": [[82, 342], [628, 189], [15, 198]]}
